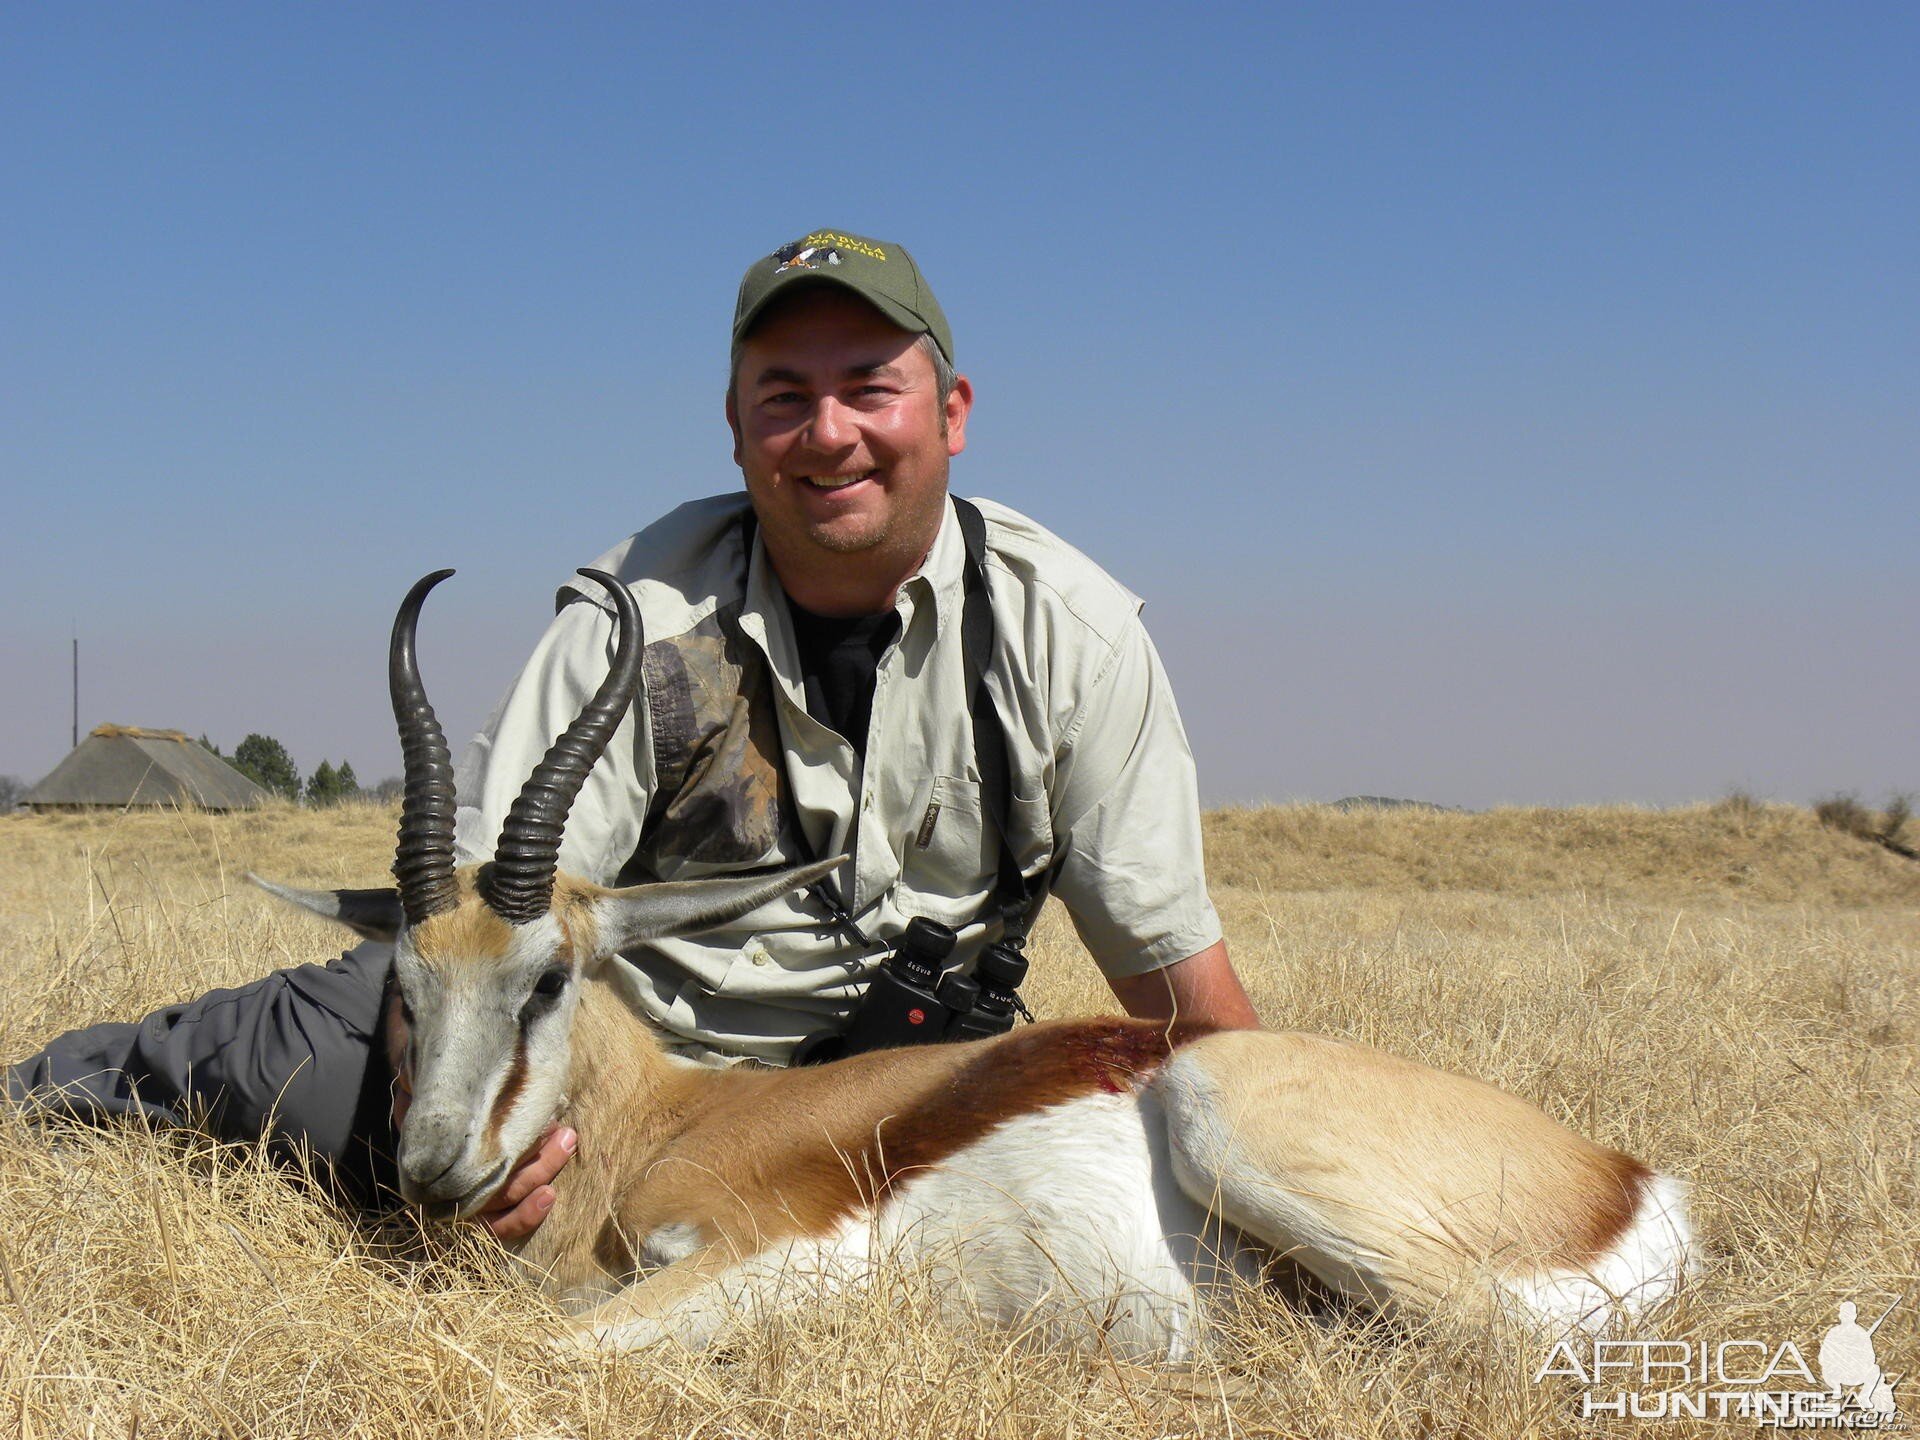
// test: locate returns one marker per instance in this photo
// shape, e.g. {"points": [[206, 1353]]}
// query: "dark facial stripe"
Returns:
{"points": [[509, 1091]]}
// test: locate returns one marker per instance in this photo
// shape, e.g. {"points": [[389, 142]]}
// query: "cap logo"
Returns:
{"points": [[828, 244], [804, 255]]}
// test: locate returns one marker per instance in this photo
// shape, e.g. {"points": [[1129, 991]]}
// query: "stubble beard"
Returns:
{"points": [[841, 538], [891, 527]]}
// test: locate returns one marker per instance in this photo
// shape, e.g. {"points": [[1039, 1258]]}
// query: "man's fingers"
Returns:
{"points": [[525, 1199], [523, 1219], [547, 1160]]}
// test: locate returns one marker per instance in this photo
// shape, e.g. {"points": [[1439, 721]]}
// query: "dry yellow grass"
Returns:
{"points": [[1730, 991]]}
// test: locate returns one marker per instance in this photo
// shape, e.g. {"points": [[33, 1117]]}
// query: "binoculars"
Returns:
{"points": [[911, 1000]]}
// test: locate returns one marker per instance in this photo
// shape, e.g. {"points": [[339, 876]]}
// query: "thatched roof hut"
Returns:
{"points": [[121, 765]]}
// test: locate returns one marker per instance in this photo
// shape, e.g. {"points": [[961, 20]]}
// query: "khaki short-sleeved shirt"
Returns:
{"points": [[712, 771]]}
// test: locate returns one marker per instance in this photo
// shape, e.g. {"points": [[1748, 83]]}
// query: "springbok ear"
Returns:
{"points": [[686, 907], [372, 914]]}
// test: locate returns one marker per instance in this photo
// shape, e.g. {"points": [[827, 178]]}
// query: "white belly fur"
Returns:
{"points": [[1068, 1221]]}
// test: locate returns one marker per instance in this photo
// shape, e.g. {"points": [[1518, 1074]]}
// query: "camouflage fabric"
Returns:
{"points": [[718, 782]]}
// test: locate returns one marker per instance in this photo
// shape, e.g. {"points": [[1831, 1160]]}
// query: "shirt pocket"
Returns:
{"points": [[1031, 822], [947, 869]]}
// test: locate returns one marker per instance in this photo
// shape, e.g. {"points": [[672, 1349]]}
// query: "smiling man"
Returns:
{"points": [[843, 426], [809, 690], [807, 694]]}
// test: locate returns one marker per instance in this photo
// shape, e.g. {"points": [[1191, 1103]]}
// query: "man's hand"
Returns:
{"points": [[523, 1202]]}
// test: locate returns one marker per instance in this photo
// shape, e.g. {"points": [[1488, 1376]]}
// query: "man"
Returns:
{"points": [[806, 692]]}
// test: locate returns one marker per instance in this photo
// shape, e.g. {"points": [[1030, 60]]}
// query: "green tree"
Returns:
{"points": [[323, 786], [328, 786], [265, 761]]}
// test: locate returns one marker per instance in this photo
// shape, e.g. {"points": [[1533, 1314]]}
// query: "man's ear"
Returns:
{"points": [[623, 918], [370, 914], [959, 406], [733, 421]]}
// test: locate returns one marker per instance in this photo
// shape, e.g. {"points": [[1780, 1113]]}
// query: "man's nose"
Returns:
{"points": [[831, 427]]}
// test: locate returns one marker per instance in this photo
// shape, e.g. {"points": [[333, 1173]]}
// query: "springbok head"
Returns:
{"points": [[490, 958]]}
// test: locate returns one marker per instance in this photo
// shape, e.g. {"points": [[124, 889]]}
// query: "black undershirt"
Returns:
{"points": [[839, 658]]}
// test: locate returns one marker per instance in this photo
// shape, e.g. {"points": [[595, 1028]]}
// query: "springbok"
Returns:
{"points": [[1107, 1171]]}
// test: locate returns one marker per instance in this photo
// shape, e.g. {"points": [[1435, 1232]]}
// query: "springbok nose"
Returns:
{"points": [[431, 1147]]}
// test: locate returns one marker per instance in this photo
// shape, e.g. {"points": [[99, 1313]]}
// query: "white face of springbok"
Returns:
{"points": [[490, 958], [490, 1007]]}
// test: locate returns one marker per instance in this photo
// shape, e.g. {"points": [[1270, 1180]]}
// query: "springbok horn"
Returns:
{"points": [[423, 862], [518, 886]]}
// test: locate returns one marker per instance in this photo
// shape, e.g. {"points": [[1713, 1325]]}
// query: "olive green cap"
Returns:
{"points": [[879, 272]]}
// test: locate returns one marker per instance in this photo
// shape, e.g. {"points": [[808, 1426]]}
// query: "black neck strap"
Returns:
{"points": [[1015, 897]]}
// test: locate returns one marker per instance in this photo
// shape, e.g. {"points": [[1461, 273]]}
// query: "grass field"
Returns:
{"points": [[1731, 992]]}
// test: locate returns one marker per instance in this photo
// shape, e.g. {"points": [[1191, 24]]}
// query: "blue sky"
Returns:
{"points": [[1493, 403]]}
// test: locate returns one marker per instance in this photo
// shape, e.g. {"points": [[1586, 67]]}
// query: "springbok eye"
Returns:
{"points": [[546, 993]]}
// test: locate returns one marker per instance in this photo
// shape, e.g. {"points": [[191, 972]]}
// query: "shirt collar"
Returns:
{"points": [[941, 578]]}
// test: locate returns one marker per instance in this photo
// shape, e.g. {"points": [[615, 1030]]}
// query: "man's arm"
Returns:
{"points": [[290, 1057], [1201, 989], [1131, 868]]}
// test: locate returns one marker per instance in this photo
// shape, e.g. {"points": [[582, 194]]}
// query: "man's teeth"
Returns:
{"points": [[836, 482]]}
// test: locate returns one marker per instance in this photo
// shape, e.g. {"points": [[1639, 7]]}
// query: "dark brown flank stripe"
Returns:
{"points": [[1033, 1069]]}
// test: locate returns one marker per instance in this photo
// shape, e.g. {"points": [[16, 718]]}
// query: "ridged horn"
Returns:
{"points": [[518, 886], [423, 862]]}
